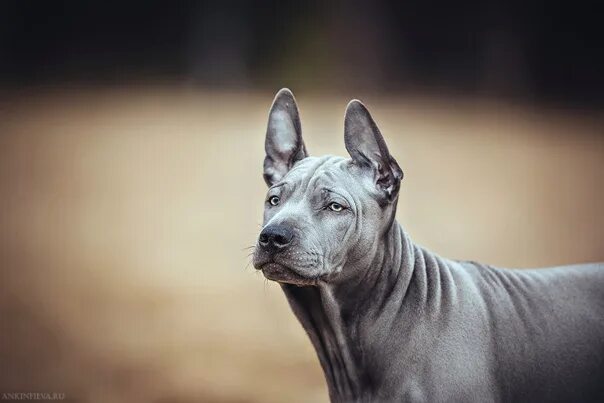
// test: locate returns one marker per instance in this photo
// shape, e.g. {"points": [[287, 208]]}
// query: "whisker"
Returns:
{"points": [[250, 259]]}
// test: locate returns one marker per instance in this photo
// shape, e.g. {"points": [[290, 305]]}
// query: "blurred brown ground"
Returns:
{"points": [[125, 214]]}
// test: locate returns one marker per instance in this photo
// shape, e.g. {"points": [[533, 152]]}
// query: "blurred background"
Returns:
{"points": [[131, 147]]}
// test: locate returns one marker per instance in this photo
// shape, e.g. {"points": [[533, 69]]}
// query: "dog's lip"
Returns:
{"points": [[270, 262], [273, 267], [283, 274]]}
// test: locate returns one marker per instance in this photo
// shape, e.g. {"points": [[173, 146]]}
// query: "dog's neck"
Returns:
{"points": [[341, 319]]}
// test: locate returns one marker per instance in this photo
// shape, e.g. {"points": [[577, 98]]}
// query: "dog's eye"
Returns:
{"points": [[274, 200], [337, 207]]}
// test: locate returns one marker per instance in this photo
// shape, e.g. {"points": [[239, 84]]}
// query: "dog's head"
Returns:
{"points": [[323, 216]]}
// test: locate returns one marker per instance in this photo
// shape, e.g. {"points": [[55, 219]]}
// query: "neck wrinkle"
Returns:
{"points": [[333, 315], [320, 315], [387, 277]]}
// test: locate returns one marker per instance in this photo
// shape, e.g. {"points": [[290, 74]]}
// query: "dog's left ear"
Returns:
{"points": [[283, 145], [367, 148]]}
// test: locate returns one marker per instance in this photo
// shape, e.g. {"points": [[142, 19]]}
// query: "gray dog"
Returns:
{"points": [[391, 321]]}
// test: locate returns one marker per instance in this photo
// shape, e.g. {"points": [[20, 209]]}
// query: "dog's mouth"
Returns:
{"points": [[284, 274]]}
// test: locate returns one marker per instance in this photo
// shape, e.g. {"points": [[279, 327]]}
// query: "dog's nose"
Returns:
{"points": [[274, 238]]}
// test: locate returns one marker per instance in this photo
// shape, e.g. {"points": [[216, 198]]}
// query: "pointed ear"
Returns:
{"points": [[368, 150], [283, 144]]}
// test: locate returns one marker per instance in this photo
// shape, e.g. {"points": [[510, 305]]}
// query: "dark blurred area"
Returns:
{"points": [[540, 51]]}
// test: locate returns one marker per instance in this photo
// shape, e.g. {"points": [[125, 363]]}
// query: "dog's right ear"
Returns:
{"points": [[283, 144]]}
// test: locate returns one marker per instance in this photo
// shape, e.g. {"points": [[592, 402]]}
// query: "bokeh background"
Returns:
{"points": [[131, 146]]}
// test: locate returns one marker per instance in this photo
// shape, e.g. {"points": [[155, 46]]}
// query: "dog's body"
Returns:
{"points": [[393, 322]]}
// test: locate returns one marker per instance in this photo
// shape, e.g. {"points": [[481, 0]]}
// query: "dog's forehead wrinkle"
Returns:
{"points": [[328, 172], [307, 168]]}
